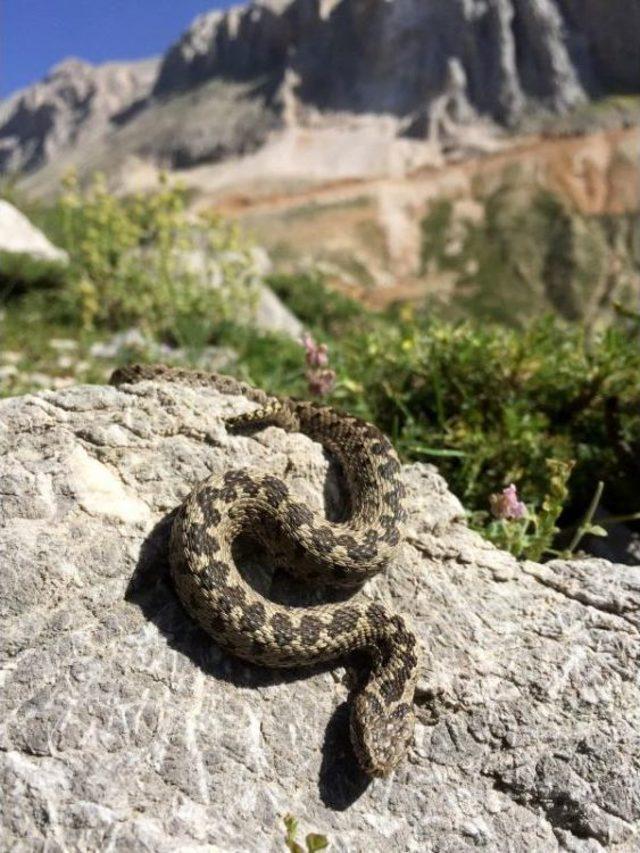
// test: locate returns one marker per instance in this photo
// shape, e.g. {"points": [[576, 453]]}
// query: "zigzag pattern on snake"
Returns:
{"points": [[308, 546]]}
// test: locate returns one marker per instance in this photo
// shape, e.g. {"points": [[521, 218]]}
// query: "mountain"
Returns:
{"points": [[334, 131], [74, 104], [235, 77]]}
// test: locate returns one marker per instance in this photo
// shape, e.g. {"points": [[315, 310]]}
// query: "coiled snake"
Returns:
{"points": [[306, 545]]}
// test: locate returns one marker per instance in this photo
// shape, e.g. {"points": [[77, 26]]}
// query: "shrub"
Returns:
{"points": [[142, 261], [547, 408]]}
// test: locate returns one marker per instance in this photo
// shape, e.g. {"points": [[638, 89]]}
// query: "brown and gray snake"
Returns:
{"points": [[309, 547]]}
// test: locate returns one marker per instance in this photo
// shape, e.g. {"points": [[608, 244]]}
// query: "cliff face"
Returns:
{"points": [[391, 57], [603, 41], [75, 101]]}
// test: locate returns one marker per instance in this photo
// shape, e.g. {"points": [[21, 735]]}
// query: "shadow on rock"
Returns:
{"points": [[151, 589], [342, 782]]}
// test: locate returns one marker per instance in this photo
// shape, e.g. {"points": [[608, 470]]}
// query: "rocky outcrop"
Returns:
{"points": [[75, 102], [123, 726], [19, 236], [603, 41], [394, 57], [354, 56], [218, 90], [266, 311]]}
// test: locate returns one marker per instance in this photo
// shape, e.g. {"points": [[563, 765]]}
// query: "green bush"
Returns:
{"points": [[142, 261], [492, 405], [547, 409], [321, 309]]}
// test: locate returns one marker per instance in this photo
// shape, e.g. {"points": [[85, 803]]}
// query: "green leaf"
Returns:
{"points": [[291, 825], [316, 842], [596, 530]]}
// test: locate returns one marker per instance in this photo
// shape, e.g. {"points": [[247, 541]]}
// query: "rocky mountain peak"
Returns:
{"points": [[75, 100], [217, 90]]}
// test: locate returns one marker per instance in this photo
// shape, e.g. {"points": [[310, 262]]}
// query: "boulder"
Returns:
{"points": [[264, 311], [124, 727], [19, 236]]}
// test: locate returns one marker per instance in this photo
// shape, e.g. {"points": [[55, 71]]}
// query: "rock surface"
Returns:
{"points": [[219, 91], [124, 727], [268, 313], [19, 236], [76, 102]]}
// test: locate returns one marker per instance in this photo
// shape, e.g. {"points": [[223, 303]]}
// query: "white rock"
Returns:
{"points": [[18, 235], [121, 721]]}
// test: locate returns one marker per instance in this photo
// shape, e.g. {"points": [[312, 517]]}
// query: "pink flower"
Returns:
{"points": [[320, 382], [320, 379], [317, 355], [506, 504]]}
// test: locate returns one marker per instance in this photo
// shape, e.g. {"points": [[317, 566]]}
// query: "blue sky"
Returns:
{"points": [[36, 34]]}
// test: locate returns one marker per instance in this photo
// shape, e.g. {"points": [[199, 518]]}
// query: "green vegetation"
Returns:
{"points": [[22, 273], [525, 253], [547, 407], [319, 308], [143, 262], [313, 841]]}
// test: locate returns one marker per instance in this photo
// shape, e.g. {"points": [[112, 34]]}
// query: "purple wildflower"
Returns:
{"points": [[505, 504], [319, 377], [317, 355]]}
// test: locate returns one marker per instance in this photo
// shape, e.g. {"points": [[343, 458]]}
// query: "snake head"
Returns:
{"points": [[380, 733]]}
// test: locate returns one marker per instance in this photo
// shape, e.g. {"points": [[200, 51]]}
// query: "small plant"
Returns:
{"points": [[313, 841], [320, 377], [527, 532], [143, 262]]}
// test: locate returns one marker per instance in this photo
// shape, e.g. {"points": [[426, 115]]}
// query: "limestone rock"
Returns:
{"points": [[75, 102], [19, 236], [268, 313], [353, 56], [217, 92], [123, 726]]}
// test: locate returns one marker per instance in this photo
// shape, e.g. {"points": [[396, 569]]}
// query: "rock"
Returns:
{"points": [[272, 315], [603, 39], [132, 343], [75, 102], [122, 725], [266, 312], [18, 235], [513, 51], [218, 91]]}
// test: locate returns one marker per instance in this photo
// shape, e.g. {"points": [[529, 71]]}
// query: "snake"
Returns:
{"points": [[339, 554]]}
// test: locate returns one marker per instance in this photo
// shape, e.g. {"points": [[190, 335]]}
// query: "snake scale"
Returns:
{"points": [[308, 546]]}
